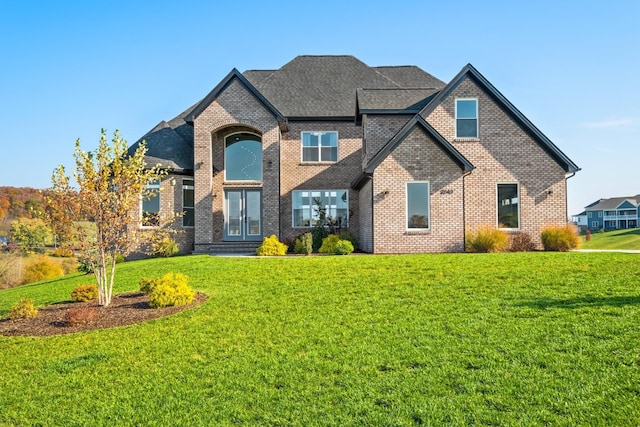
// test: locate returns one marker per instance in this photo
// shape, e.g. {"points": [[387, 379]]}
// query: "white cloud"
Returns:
{"points": [[608, 124]]}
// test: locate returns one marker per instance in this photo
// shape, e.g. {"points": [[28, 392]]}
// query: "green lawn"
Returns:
{"points": [[452, 339], [616, 239]]}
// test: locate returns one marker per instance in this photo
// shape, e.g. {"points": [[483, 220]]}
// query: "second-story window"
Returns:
{"points": [[466, 118], [319, 146]]}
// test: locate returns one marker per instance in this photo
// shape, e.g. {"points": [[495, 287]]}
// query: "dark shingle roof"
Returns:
{"points": [[170, 144], [406, 100], [325, 86], [410, 76], [613, 203]]}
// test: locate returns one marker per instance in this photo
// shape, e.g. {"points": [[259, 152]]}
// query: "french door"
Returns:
{"points": [[243, 215]]}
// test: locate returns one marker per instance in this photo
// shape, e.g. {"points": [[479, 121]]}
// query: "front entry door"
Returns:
{"points": [[243, 215]]}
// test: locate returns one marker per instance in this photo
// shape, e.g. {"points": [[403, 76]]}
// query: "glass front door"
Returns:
{"points": [[243, 215]]}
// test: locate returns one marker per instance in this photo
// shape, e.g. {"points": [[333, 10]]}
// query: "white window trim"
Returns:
{"points": [[477, 118], [293, 220], [319, 147], [156, 185], [224, 156], [519, 207], [406, 206], [188, 187]]}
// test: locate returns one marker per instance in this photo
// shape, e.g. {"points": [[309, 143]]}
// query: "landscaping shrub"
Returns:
{"points": [[23, 309], [147, 285], [165, 247], [560, 238], [271, 246], [85, 293], [521, 242], [343, 247], [487, 239], [328, 244], [347, 235], [77, 316], [304, 244], [41, 269], [319, 233], [170, 290], [332, 244]]}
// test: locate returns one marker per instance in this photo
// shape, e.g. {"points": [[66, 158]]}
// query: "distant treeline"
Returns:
{"points": [[19, 202]]}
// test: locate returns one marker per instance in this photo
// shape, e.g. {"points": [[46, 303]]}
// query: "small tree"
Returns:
{"points": [[29, 233], [111, 183]]}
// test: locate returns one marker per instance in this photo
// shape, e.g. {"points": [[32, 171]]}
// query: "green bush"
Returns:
{"points": [[165, 247], [347, 235], [332, 244], [170, 290], [328, 244], [521, 242], [560, 238], [343, 247], [41, 269], [319, 233], [147, 285], [304, 244], [77, 316], [271, 246], [487, 239], [24, 309], [85, 293]]}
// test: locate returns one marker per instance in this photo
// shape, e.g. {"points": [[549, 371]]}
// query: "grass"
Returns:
{"points": [[451, 339], [628, 239]]}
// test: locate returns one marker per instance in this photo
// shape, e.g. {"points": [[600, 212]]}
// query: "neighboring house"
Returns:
{"points": [[616, 213], [580, 220], [406, 162]]}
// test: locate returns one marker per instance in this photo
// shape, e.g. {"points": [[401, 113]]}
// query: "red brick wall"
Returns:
{"points": [[503, 153], [234, 109], [298, 175], [418, 158]]}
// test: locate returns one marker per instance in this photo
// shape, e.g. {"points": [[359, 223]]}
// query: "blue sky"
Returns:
{"points": [[70, 68]]}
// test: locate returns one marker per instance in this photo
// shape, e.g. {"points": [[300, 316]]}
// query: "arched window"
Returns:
{"points": [[243, 157]]}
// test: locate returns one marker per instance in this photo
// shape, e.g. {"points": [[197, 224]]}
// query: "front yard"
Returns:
{"points": [[507, 339]]}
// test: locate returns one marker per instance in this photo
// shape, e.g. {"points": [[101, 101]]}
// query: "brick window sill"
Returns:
{"points": [[466, 139]]}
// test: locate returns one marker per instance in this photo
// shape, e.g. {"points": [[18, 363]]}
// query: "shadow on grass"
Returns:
{"points": [[616, 301]]}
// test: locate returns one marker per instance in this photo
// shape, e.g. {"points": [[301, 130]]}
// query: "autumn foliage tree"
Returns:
{"points": [[111, 183]]}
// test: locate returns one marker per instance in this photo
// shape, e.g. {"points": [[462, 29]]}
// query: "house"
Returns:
{"points": [[402, 160], [616, 213]]}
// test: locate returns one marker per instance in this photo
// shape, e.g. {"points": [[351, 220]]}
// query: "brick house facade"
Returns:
{"points": [[402, 160]]}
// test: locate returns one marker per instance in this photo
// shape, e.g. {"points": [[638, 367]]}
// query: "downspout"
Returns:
{"points": [[464, 212], [566, 197]]}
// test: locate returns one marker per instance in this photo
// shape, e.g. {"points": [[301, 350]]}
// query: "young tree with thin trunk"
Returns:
{"points": [[111, 183]]}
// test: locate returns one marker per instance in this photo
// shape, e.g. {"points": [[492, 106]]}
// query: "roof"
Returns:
{"points": [[468, 71], [312, 86], [615, 203], [170, 144], [393, 100]]}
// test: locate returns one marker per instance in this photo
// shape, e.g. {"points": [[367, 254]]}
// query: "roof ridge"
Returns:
{"points": [[398, 88]]}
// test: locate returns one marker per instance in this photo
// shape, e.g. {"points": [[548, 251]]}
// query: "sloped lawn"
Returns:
{"points": [[628, 239], [500, 339]]}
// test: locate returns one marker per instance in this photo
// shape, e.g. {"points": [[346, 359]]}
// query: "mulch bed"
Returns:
{"points": [[125, 309]]}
